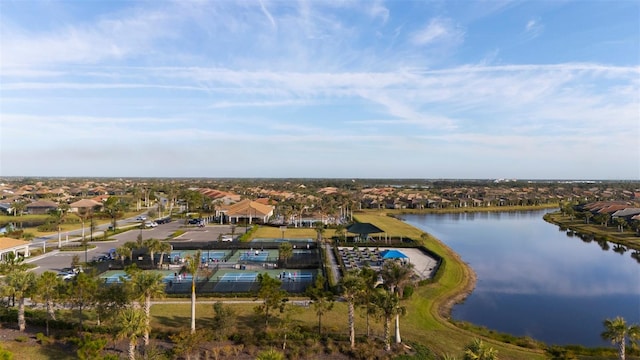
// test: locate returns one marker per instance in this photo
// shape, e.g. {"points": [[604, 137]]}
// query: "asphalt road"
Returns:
{"points": [[57, 260]]}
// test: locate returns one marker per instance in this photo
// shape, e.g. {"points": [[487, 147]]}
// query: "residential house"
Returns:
{"points": [[41, 207]]}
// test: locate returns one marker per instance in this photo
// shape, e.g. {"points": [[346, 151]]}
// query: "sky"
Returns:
{"points": [[321, 89]]}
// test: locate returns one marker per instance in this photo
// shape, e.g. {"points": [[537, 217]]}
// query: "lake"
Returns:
{"points": [[534, 280]]}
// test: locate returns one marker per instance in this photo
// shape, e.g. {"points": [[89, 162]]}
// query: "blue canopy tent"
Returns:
{"points": [[393, 254]]}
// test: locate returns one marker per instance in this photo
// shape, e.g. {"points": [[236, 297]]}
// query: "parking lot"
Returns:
{"points": [[56, 261]]}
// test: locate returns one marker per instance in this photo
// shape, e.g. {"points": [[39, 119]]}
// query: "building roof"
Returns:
{"points": [[246, 208], [363, 229], [84, 203], [42, 204], [9, 243], [627, 212]]}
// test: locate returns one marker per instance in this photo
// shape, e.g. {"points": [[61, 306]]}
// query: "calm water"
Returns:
{"points": [[534, 280]]}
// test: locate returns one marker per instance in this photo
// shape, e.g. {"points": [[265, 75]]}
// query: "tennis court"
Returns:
{"points": [[254, 255], [116, 276], [178, 257], [260, 256]]}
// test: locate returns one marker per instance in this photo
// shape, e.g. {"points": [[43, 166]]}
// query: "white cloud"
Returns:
{"points": [[378, 10], [533, 28], [267, 14], [438, 30]]}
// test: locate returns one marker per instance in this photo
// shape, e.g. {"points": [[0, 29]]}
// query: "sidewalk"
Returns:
{"points": [[335, 269]]}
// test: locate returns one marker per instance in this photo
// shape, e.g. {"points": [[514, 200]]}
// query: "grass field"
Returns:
{"points": [[290, 233]]}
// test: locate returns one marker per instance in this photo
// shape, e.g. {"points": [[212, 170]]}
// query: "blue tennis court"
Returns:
{"points": [[296, 276], [178, 257], [114, 276], [213, 256], [254, 256]]}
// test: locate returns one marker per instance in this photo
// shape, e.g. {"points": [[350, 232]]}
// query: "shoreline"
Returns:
{"points": [[446, 306]]}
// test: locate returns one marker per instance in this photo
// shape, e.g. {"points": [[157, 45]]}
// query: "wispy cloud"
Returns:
{"points": [[533, 28], [438, 30], [268, 14]]}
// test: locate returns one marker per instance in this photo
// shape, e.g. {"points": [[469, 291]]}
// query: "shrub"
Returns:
{"points": [[43, 339], [5, 354], [22, 338], [408, 291]]}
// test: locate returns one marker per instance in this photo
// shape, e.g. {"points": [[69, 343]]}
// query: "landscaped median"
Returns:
{"points": [[428, 309]]}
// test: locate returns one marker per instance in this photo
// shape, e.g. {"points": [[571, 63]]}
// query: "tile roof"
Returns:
{"points": [[8, 243], [42, 204]]}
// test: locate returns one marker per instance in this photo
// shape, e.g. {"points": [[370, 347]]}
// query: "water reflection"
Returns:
{"points": [[529, 273]]}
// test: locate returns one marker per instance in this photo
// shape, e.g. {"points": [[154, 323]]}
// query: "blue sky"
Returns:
{"points": [[339, 89]]}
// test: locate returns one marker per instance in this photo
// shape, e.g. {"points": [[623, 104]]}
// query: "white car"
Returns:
{"points": [[141, 218], [227, 238], [150, 224]]}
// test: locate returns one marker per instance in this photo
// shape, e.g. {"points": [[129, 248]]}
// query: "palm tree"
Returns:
{"points": [[478, 350], [587, 216], [319, 228], [145, 286], [192, 264], [163, 248], [396, 276], [621, 223], [340, 232], [132, 326], [285, 251], [20, 284], [153, 246], [617, 331], [322, 300], [12, 262], [114, 209], [370, 280], [19, 207], [48, 287], [84, 213], [123, 253], [352, 287], [57, 217], [388, 306]]}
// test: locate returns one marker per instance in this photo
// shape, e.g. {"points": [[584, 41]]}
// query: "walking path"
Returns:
{"points": [[335, 269]]}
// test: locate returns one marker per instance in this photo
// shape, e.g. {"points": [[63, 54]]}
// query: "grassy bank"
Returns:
{"points": [[453, 210], [594, 231]]}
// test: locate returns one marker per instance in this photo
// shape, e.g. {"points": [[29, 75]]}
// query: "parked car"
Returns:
{"points": [[150, 224], [164, 220]]}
